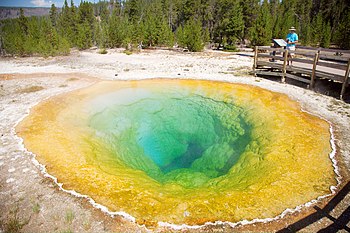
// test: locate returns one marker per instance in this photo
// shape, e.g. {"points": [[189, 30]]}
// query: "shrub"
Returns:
{"points": [[103, 51], [190, 36]]}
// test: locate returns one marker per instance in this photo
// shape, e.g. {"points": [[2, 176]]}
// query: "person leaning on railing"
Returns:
{"points": [[292, 39]]}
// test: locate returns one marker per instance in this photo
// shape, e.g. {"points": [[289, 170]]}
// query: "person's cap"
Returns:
{"points": [[292, 29]]}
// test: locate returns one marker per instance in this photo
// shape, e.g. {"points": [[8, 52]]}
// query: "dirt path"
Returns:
{"points": [[31, 202]]}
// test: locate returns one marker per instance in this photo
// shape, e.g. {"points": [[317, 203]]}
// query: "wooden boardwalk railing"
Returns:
{"points": [[309, 64]]}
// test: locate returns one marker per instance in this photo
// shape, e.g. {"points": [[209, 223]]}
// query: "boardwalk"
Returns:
{"points": [[308, 65]]}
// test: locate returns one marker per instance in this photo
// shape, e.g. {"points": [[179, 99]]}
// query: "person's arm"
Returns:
{"points": [[295, 39]]}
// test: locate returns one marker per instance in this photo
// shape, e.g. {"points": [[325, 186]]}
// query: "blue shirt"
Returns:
{"points": [[291, 37]]}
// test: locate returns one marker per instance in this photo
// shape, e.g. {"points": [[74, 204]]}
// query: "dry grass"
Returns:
{"points": [[31, 89], [36, 208], [72, 79], [69, 216], [13, 224], [2, 90], [127, 52]]}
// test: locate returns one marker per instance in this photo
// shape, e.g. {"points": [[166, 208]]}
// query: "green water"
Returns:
{"points": [[173, 137]]}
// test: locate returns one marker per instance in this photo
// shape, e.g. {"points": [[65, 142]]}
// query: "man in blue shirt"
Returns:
{"points": [[292, 39]]}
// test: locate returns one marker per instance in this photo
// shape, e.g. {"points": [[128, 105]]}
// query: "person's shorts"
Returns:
{"points": [[290, 50]]}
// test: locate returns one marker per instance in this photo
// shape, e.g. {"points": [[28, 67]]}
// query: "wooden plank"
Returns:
{"points": [[334, 77], [255, 58], [332, 65], [346, 79], [292, 76], [269, 73], [266, 55], [334, 58], [313, 75], [308, 48], [270, 48], [320, 74], [305, 53], [284, 66], [270, 64], [263, 47], [335, 50], [308, 72], [324, 49], [343, 59], [299, 70], [307, 61], [270, 56], [324, 56]]}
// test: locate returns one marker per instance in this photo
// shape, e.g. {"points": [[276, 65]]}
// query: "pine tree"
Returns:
{"points": [[64, 23], [153, 22], [274, 10], [165, 36], [288, 19], [235, 27], [104, 13], [81, 25], [53, 15], [84, 36], [10, 31], [190, 36], [133, 10], [206, 35], [73, 27], [169, 9], [151, 30], [114, 35], [23, 22], [306, 34], [250, 10], [261, 33], [180, 37], [188, 9], [303, 15], [342, 34], [326, 36], [22, 34], [317, 30], [32, 42], [126, 31]]}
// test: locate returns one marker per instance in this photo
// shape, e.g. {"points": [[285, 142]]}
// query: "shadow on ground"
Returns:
{"points": [[337, 224], [322, 86]]}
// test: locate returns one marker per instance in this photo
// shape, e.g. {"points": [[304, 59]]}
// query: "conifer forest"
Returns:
{"points": [[190, 24]]}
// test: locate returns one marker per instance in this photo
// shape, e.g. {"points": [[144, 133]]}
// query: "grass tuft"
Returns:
{"points": [[127, 52], [72, 79], [36, 208], [31, 89], [70, 216], [13, 223], [102, 51]]}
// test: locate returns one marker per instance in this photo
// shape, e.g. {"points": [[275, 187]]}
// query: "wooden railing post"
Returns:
{"points": [[313, 75], [346, 80], [255, 59], [284, 69]]}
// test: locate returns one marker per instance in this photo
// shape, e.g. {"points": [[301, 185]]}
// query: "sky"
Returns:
{"points": [[37, 3]]}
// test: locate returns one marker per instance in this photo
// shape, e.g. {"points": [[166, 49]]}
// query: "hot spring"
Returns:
{"points": [[183, 151]]}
